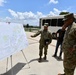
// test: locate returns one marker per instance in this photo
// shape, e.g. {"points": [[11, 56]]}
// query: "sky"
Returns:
{"points": [[30, 11]]}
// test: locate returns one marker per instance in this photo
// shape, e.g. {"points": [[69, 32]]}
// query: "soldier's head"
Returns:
{"points": [[69, 17], [46, 26], [68, 20]]}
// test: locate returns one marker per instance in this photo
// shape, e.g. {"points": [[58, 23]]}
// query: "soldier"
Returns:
{"points": [[69, 45], [45, 40]]}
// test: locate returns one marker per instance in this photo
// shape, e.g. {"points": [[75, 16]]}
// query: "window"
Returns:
{"points": [[60, 22], [75, 20], [43, 21], [46, 21], [54, 22]]}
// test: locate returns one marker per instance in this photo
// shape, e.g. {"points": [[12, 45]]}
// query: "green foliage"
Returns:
{"points": [[63, 13]]}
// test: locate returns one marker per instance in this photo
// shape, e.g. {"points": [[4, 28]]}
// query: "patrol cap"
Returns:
{"points": [[45, 24], [68, 16]]}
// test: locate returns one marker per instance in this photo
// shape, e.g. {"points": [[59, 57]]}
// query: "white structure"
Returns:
{"points": [[55, 22], [12, 39]]}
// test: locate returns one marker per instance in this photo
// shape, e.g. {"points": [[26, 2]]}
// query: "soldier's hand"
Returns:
{"points": [[47, 43]]}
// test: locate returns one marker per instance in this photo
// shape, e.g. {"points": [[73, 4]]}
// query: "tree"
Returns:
{"points": [[27, 25], [63, 13]]}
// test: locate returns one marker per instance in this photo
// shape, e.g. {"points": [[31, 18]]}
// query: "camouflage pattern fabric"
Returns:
{"points": [[44, 35], [69, 48]]}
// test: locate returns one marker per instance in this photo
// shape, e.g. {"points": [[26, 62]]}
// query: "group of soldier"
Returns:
{"points": [[68, 44]]}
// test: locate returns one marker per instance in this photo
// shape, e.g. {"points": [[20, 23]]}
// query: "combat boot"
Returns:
{"points": [[40, 59], [45, 57], [59, 57]]}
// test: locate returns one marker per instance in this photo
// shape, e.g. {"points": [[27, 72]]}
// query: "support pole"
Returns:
{"points": [[7, 65], [12, 73], [25, 58], [11, 65]]}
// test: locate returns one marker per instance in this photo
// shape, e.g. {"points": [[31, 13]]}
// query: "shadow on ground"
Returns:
{"points": [[37, 60], [58, 59], [14, 70]]}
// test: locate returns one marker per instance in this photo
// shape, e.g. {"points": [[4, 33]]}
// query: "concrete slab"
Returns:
{"points": [[29, 65]]}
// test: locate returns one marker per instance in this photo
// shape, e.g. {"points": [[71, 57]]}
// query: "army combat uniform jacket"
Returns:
{"points": [[69, 47], [45, 35]]}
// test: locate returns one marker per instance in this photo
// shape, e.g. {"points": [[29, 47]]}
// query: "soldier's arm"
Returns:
{"points": [[72, 34], [36, 34], [50, 37]]}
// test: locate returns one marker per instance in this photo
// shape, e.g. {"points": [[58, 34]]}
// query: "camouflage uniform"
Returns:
{"points": [[69, 48], [44, 35]]}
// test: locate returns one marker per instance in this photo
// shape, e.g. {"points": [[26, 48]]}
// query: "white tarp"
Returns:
{"points": [[12, 39]]}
